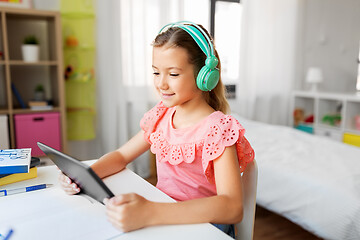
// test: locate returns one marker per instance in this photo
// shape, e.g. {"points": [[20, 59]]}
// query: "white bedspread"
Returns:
{"points": [[311, 180]]}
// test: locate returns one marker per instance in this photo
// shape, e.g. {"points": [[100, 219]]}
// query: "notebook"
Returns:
{"points": [[80, 173]]}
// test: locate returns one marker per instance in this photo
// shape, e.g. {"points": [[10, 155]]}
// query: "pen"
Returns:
{"points": [[8, 235], [25, 189]]}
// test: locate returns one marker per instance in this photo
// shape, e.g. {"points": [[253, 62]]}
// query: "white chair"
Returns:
{"points": [[245, 228]]}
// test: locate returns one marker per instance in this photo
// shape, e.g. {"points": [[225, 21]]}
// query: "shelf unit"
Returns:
{"points": [[78, 24], [15, 24], [320, 104]]}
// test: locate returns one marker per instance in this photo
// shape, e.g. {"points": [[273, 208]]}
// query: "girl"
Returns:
{"points": [[200, 151]]}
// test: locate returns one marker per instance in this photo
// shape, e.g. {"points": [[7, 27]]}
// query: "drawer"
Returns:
{"points": [[33, 128]]}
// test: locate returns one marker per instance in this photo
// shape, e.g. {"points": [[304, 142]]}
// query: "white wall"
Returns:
{"points": [[330, 40]]}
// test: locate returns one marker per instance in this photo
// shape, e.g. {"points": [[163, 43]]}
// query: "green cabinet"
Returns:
{"points": [[78, 28]]}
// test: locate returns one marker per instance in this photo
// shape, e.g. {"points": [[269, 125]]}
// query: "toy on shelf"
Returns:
{"points": [[332, 119], [303, 123], [298, 116], [309, 119], [357, 122], [84, 76], [72, 41], [69, 70]]}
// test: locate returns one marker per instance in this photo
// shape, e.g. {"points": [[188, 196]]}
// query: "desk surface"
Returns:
{"points": [[85, 214]]}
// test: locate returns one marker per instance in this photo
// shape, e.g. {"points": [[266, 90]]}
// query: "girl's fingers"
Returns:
{"points": [[67, 179], [71, 189], [63, 178], [68, 186], [121, 199]]}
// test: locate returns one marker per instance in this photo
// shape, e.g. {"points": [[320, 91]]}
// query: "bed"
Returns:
{"points": [[311, 180]]}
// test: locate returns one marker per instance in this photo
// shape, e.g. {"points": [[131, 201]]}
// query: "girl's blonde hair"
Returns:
{"points": [[177, 37]]}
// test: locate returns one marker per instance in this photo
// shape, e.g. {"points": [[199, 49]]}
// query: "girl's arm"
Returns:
{"points": [[117, 160], [131, 211]]}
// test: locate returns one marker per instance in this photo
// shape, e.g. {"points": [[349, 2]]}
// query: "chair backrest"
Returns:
{"points": [[245, 228]]}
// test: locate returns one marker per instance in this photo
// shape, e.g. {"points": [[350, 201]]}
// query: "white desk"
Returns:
{"points": [[86, 213]]}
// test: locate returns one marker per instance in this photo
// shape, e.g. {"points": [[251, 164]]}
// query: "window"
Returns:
{"points": [[227, 32]]}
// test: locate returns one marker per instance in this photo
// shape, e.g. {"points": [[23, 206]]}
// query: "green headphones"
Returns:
{"points": [[208, 76]]}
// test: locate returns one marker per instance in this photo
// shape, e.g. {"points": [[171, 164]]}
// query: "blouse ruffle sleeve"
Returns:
{"points": [[225, 133], [151, 119]]}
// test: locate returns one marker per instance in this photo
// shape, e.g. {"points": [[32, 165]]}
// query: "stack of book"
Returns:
{"points": [[17, 165], [39, 105]]}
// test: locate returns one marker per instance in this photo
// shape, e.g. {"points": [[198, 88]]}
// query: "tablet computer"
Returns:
{"points": [[80, 173]]}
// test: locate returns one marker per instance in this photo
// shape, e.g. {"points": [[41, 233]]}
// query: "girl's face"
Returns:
{"points": [[174, 76]]}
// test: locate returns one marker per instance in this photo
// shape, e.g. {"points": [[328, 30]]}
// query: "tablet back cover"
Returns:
{"points": [[80, 173]]}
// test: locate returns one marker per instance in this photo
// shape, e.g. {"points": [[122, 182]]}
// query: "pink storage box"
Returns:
{"points": [[38, 127]]}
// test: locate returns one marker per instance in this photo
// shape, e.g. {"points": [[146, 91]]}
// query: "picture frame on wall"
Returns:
{"points": [[16, 3]]}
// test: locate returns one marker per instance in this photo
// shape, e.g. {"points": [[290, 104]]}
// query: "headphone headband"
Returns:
{"points": [[197, 33]]}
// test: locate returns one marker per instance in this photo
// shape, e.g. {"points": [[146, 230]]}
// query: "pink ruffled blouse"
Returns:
{"points": [[184, 157]]}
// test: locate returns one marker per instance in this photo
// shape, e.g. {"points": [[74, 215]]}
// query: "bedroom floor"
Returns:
{"points": [[270, 226]]}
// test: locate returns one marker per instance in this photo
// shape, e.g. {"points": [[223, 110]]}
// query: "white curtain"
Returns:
{"points": [[140, 22], [111, 95], [268, 59], [120, 104]]}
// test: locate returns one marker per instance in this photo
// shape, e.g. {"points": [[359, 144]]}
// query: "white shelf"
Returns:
{"points": [[353, 96], [352, 131], [320, 104]]}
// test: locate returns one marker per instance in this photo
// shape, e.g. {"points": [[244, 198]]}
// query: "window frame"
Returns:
{"points": [[212, 13]]}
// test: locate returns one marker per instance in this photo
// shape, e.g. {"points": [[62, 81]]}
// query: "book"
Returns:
{"points": [[42, 108], [40, 105], [15, 160], [17, 177], [34, 162], [37, 103], [17, 95]]}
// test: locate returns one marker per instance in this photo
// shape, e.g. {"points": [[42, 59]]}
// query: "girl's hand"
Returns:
{"points": [[128, 212], [69, 186]]}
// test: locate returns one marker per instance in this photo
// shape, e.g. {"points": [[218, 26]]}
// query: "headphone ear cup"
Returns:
{"points": [[200, 79], [212, 79], [207, 78]]}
